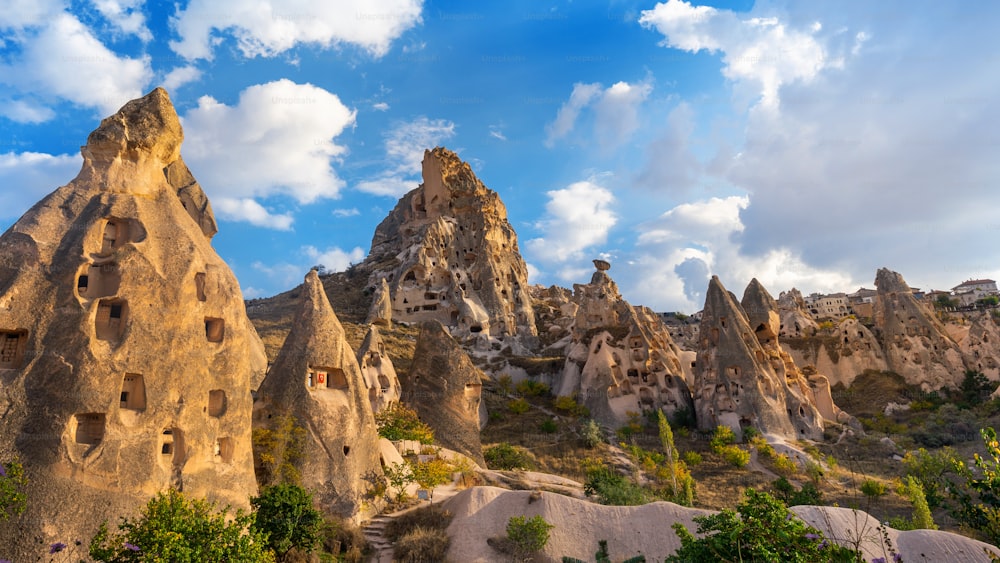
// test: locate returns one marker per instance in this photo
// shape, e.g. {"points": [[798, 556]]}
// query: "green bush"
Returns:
{"points": [[569, 405], [722, 437], [931, 470], [873, 489], [285, 515], [692, 458], [549, 426], [764, 449], [612, 488], [761, 529], [922, 517], [13, 500], [399, 422], [421, 545], [591, 433], [531, 388], [518, 406], [783, 465], [977, 495], [278, 451], [177, 529], [508, 457], [529, 535], [735, 456]]}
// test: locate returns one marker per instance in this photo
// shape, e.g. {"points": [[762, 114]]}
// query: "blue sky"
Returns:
{"points": [[804, 143]]}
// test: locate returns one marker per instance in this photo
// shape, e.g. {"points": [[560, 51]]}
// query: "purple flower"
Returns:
{"points": [[897, 558], [5, 560], [3, 473], [131, 547], [823, 544], [879, 560], [812, 537], [56, 547]]}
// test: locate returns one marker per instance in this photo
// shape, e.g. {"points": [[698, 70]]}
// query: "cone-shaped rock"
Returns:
{"points": [[381, 309], [916, 344], [378, 372], [449, 254], [445, 388], [316, 380], [735, 384], [132, 355], [620, 358]]}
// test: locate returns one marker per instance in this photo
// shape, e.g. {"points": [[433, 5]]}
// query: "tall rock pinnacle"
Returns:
{"points": [[134, 355]]}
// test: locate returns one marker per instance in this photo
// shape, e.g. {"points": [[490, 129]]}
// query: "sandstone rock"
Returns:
{"points": [[449, 254], [127, 357], [915, 343], [619, 358], [981, 346], [796, 321], [381, 309], [446, 391], [317, 380], [741, 377], [378, 372]]}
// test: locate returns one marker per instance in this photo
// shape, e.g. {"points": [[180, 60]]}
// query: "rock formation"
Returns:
{"points": [[841, 352], [449, 254], [739, 383], [446, 391], [127, 356], [795, 319], [381, 309], [378, 372], [915, 343], [316, 379], [619, 358], [981, 346]]}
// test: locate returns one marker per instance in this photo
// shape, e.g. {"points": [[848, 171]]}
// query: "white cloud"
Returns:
{"points": [[27, 177], [18, 14], [249, 211], [21, 111], [576, 219], [615, 112], [404, 151], [352, 212], [761, 51], [277, 140], [126, 16], [63, 59], [670, 160], [267, 27], [497, 134], [380, 106], [180, 76], [334, 258]]}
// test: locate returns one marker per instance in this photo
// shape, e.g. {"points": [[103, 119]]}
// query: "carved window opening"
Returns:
{"points": [[199, 285], [476, 328], [215, 329], [12, 345], [347, 450], [216, 402], [111, 318], [81, 284], [633, 373], [133, 395], [383, 382], [430, 307], [410, 276], [327, 378], [224, 449], [90, 428], [722, 322]]}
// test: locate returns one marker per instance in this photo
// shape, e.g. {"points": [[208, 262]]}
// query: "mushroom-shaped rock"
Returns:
{"points": [[602, 265], [316, 380]]}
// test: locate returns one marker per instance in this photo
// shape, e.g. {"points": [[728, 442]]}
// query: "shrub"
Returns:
{"points": [[285, 515], [278, 451], [783, 465], [399, 422], [692, 458], [612, 488], [505, 383], [343, 539], [922, 517], [735, 456], [528, 535], [570, 406], [431, 517], [723, 436], [762, 529], [930, 469], [399, 475], [421, 545], [591, 433], [13, 500], [507, 456], [978, 496], [518, 406], [549, 426], [174, 528], [431, 473], [532, 388], [764, 449], [873, 489]]}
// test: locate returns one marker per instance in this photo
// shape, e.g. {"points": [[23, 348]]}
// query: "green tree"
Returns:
{"points": [[528, 535], [978, 497], [13, 500], [285, 514], [278, 450], [931, 470], [399, 475], [922, 517], [432, 473], [761, 529], [399, 422], [507, 457], [612, 488], [591, 433], [175, 529], [975, 389], [667, 443]]}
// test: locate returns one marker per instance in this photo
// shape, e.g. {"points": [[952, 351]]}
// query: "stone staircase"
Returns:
{"points": [[374, 532]]}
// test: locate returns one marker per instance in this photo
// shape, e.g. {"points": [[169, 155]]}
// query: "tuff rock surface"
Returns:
{"points": [[378, 372], [316, 379], [128, 357], [448, 253], [741, 377], [445, 389], [619, 358]]}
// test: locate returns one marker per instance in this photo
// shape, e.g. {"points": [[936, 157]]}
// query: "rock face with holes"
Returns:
{"points": [[742, 378], [980, 344], [449, 254], [126, 356], [915, 342], [381, 309], [378, 372], [796, 322], [445, 389], [619, 358], [316, 380]]}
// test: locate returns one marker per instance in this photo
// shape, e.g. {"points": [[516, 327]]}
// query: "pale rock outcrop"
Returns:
{"points": [[740, 383], [619, 358], [378, 372], [915, 343], [381, 309], [316, 379], [981, 345], [445, 389], [796, 322], [449, 254], [127, 357]]}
